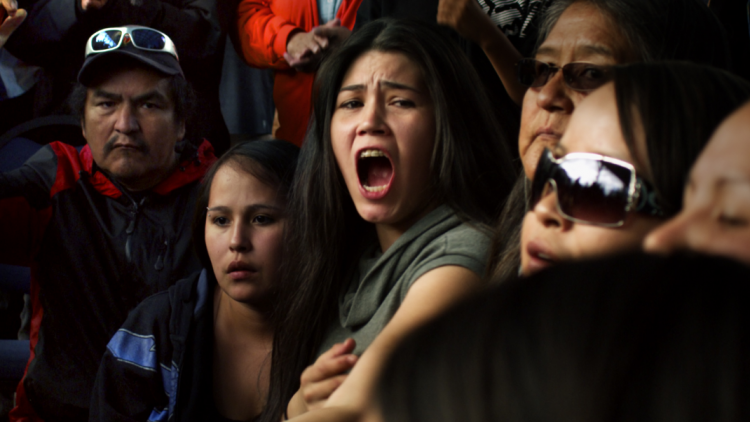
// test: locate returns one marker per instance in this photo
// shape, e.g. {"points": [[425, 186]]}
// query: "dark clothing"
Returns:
{"points": [[144, 367], [95, 252], [55, 32], [159, 365]]}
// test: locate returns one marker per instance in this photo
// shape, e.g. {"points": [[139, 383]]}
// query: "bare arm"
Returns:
{"points": [[433, 292], [10, 17], [468, 19]]}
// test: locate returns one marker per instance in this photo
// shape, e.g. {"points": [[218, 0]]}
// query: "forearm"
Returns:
{"points": [[262, 34], [503, 56]]}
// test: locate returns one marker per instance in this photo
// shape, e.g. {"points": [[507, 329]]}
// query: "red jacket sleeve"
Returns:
{"points": [[263, 34]]}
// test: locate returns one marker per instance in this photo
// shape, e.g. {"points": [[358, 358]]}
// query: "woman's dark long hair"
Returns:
{"points": [[471, 172], [633, 338], [654, 31], [678, 105], [273, 162]]}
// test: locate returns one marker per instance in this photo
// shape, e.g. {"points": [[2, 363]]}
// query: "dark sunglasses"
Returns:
{"points": [[140, 36], [593, 189], [578, 76]]}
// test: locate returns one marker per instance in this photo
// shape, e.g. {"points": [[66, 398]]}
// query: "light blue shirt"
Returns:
{"points": [[327, 10]]}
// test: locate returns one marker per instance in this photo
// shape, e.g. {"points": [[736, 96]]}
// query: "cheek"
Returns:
{"points": [[592, 241], [528, 111], [214, 244]]}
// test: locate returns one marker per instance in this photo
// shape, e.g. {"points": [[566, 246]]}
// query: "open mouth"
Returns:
{"points": [[374, 169]]}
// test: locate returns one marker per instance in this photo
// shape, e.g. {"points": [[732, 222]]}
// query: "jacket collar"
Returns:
{"points": [[186, 172]]}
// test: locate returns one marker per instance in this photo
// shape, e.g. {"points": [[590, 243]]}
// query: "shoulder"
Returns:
{"points": [[463, 245]]}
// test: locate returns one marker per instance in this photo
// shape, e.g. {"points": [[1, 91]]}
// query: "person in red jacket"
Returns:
{"points": [[104, 227], [292, 37]]}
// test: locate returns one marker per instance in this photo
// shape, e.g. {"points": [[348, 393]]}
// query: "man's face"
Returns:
{"points": [[129, 124]]}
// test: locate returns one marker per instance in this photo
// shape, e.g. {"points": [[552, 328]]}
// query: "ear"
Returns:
{"points": [[181, 130]]}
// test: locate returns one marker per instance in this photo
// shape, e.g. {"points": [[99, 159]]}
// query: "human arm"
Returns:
{"points": [[262, 35], [25, 201], [132, 377], [430, 294], [468, 19], [322, 378], [305, 50], [10, 18]]}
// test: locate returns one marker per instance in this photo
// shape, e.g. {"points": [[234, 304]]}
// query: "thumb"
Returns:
{"points": [[10, 24]]}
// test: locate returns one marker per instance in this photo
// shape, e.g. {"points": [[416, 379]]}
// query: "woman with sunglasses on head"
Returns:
{"points": [[578, 40], [620, 168], [402, 169], [201, 351]]}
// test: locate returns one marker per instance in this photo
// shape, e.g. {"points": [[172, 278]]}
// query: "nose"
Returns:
{"points": [[546, 210], [672, 235], [240, 240], [555, 96], [127, 121], [373, 119]]}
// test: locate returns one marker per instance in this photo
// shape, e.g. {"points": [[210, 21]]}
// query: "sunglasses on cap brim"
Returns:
{"points": [[141, 37], [593, 189], [578, 76]]}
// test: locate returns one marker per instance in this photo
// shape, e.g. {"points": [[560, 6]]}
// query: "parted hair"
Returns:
{"points": [[471, 171]]}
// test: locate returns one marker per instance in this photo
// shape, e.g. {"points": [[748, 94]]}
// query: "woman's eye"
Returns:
{"points": [[220, 221], [403, 103], [262, 220], [732, 221], [351, 104]]}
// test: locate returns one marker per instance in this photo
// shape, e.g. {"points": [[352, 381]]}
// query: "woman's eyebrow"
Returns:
{"points": [[388, 84], [253, 207]]}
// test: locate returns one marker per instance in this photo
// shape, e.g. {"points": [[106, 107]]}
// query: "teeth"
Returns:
{"points": [[371, 153], [374, 188], [544, 257]]}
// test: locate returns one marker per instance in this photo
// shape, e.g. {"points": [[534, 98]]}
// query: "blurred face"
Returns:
{"points": [[715, 216], [383, 133], [130, 126], [581, 34], [547, 237], [244, 226]]}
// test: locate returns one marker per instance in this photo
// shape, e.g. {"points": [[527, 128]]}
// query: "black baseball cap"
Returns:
{"points": [[137, 43]]}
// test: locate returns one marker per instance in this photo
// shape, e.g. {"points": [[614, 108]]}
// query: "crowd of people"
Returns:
{"points": [[474, 211]]}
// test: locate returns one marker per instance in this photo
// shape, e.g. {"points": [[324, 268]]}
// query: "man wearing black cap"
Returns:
{"points": [[104, 227]]}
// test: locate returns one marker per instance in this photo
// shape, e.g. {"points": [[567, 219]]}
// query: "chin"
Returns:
{"points": [[374, 213]]}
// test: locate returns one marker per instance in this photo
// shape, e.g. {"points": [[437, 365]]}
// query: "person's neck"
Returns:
{"points": [[239, 318]]}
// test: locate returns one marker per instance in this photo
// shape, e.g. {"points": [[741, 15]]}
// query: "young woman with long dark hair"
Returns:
{"points": [[402, 172]]}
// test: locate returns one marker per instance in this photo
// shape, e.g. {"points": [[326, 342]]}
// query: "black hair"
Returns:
{"points": [[626, 338], [471, 172], [678, 105], [657, 30], [273, 162]]}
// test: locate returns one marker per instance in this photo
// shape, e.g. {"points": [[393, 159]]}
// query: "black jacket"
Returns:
{"points": [[95, 252], [156, 363]]}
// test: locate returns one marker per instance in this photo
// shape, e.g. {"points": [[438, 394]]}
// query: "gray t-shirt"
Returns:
{"points": [[382, 280]]}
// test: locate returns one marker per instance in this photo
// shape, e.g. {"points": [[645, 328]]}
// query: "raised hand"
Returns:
{"points": [[305, 50], [11, 17]]}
